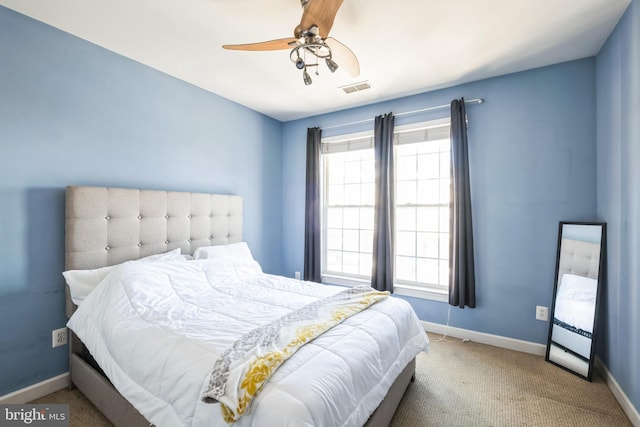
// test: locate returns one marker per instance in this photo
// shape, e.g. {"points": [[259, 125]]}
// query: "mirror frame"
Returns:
{"points": [[600, 281]]}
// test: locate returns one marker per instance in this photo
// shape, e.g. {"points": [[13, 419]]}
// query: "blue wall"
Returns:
{"points": [[532, 164], [618, 148], [74, 113]]}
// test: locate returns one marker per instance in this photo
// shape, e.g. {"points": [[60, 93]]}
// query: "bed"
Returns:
{"points": [[108, 227], [574, 309]]}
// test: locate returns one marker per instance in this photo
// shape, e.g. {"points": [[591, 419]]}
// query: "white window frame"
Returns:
{"points": [[424, 291], [364, 140]]}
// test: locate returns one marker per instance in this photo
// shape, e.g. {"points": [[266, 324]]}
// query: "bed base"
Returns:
{"points": [[122, 414], [383, 414], [103, 395]]}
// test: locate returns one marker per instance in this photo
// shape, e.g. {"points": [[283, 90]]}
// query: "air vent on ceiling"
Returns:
{"points": [[356, 87]]}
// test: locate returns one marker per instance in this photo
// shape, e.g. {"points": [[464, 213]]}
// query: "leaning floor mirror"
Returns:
{"points": [[579, 275]]}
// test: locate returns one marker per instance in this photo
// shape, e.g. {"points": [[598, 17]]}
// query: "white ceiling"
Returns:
{"points": [[404, 47]]}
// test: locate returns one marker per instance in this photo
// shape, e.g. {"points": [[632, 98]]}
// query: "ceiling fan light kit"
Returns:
{"points": [[306, 77], [311, 37], [311, 43]]}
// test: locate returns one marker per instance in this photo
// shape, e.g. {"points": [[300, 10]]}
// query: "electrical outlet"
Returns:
{"points": [[297, 275], [59, 337], [542, 313]]}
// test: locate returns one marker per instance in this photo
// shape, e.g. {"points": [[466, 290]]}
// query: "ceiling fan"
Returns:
{"points": [[311, 41]]}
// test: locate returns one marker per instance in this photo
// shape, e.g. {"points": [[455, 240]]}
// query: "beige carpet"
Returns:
{"points": [[468, 384]]}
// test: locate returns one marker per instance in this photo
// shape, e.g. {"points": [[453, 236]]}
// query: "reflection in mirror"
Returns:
{"points": [[579, 274]]}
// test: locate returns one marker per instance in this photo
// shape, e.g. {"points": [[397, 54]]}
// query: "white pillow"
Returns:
{"points": [[82, 282], [236, 250]]}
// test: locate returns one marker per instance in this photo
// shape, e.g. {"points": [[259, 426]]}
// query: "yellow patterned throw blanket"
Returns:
{"points": [[241, 370]]}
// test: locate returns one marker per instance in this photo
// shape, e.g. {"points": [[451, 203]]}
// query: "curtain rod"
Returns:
{"points": [[406, 113]]}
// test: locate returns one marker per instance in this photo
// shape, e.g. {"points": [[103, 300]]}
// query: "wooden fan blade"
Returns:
{"points": [[344, 57], [279, 44], [320, 13]]}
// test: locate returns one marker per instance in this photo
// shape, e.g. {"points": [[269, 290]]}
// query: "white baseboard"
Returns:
{"points": [[481, 337], [36, 391], [618, 393]]}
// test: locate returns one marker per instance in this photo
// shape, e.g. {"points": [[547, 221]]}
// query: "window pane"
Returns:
{"points": [[365, 264], [445, 165], [334, 261], [427, 245], [445, 191], [351, 218], [336, 195], [350, 240], [406, 192], [352, 194], [352, 172], [366, 241], [444, 218], [334, 239], [366, 218], [444, 273], [405, 219], [427, 219], [406, 243], [367, 197], [427, 271], [368, 172], [334, 217], [406, 268], [406, 168], [444, 246], [335, 170], [429, 192], [350, 262], [429, 166]]}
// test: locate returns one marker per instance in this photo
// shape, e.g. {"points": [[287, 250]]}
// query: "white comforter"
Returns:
{"points": [[157, 328], [576, 301]]}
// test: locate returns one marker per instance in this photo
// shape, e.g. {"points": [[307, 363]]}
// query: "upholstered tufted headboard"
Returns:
{"points": [[579, 258], [106, 226]]}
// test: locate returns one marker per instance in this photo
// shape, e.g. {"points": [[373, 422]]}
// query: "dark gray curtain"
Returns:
{"points": [[312, 258], [382, 272], [462, 282]]}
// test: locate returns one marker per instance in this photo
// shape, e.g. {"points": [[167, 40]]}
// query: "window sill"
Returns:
{"points": [[398, 289], [423, 293]]}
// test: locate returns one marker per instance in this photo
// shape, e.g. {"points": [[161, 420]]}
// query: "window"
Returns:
{"points": [[422, 167], [422, 155], [347, 215]]}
